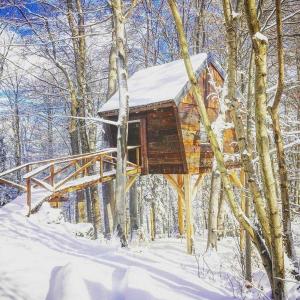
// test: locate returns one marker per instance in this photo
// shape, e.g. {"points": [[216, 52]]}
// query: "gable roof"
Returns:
{"points": [[161, 83]]}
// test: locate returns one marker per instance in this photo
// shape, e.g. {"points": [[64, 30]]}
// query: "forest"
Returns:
{"points": [[149, 149]]}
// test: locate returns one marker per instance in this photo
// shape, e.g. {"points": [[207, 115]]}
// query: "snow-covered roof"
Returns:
{"points": [[160, 83]]}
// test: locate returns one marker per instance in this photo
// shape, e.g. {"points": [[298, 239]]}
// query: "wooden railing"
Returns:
{"points": [[70, 173]]}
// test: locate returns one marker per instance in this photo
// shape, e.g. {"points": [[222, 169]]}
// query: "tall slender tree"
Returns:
{"points": [[260, 45]]}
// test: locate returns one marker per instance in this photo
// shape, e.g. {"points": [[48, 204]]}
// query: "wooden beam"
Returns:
{"points": [[180, 205], [28, 191], [130, 182], [36, 171], [28, 195], [196, 185], [52, 174], [174, 183], [58, 171], [188, 212], [144, 148], [60, 183], [13, 170], [8, 182], [43, 184]]}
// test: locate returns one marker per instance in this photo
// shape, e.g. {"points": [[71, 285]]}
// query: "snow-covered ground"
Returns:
{"points": [[41, 260]]}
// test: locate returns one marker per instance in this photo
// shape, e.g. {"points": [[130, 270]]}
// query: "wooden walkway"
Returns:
{"points": [[50, 179]]}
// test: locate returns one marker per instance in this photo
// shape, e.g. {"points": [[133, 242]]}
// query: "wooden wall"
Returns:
{"points": [[162, 150], [164, 146], [197, 149], [173, 141]]}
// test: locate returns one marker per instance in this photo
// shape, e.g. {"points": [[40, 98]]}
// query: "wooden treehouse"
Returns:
{"points": [[165, 122], [168, 125], [165, 137]]}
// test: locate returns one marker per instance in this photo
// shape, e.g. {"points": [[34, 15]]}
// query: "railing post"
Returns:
{"points": [[83, 163], [138, 156], [52, 172], [101, 166], [28, 189]]}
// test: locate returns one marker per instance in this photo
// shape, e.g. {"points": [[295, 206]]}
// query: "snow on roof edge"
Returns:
{"points": [[211, 58]]}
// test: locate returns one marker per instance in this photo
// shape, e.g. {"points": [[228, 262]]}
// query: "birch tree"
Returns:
{"points": [[236, 209], [260, 45], [120, 218], [281, 158]]}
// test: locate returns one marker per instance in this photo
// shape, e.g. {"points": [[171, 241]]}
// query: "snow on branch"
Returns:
{"points": [[260, 37]]}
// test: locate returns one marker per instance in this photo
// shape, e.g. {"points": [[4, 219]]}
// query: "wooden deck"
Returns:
{"points": [[49, 179]]}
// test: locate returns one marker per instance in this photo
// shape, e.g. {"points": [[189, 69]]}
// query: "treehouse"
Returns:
{"points": [[165, 136], [165, 121]]}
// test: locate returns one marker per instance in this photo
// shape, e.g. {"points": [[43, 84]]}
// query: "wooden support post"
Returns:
{"points": [[197, 184], [28, 189], [188, 212], [101, 166], [174, 184], [130, 182], [144, 143], [52, 173], [137, 156], [180, 206]]}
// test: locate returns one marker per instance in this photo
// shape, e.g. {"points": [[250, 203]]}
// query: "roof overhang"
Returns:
{"points": [[140, 108], [211, 59]]}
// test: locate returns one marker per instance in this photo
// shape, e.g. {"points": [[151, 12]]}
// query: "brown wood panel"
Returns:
{"points": [[170, 139], [164, 151], [198, 153]]}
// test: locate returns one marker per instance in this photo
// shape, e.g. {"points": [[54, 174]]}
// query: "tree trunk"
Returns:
{"points": [[215, 189], [119, 222], [248, 250], [221, 214], [259, 44], [243, 206], [133, 210], [238, 213], [244, 146], [283, 177], [108, 191], [17, 138], [50, 130], [152, 221]]}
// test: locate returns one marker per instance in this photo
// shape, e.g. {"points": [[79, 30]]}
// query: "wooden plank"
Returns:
{"points": [[196, 185], [60, 183], [174, 183], [59, 170], [36, 171], [28, 195], [13, 170], [8, 182], [43, 184], [188, 212], [52, 174], [144, 146], [180, 204], [130, 182]]}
